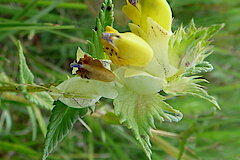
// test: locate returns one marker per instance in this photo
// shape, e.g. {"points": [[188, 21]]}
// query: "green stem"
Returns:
{"points": [[16, 98], [30, 88]]}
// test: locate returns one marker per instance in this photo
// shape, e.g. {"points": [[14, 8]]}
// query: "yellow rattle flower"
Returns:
{"points": [[126, 49], [139, 10]]}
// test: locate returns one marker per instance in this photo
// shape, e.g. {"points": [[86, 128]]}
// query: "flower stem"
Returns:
{"points": [[29, 87]]}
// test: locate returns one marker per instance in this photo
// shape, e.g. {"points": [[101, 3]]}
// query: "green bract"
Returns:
{"points": [[139, 112], [77, 92], [188, 47]]}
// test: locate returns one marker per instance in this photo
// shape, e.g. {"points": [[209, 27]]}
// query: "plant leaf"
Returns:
{"points": [[104, 19], [188, 85], [26, 76], [60, 123], [77, 92], [108, 13], [190, 46], [139, 111], [41, 99], [203, 67]]}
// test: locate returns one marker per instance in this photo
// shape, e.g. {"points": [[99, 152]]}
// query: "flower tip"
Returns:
{"points": [[133, 2], [111, 30], [107, 37]]}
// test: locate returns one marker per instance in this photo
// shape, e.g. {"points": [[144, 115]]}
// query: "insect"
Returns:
{"points": [[92, 69]]}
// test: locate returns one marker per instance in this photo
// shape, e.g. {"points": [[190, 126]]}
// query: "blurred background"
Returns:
{"points": [[49, 48]]}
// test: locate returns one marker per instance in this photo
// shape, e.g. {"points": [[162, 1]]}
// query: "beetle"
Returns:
{"points": [[90, 68]]}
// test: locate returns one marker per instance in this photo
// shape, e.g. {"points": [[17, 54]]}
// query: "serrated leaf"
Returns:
{"points": [[190, 46], [139, 112], [60, 124], [203, 67], [105, 18], [40, 99], [25, 75], [108, 14], [188, 85]]}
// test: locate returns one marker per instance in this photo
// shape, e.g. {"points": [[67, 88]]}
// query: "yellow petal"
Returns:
{"points": [[138, 31], [127, 49], [158, 10], [158, 39], [133, 13], [111, 30]]}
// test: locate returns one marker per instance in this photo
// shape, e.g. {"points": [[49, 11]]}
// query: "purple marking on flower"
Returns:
{"points": [[75, 65], [133, 2], [187, 64], [107, 37]]}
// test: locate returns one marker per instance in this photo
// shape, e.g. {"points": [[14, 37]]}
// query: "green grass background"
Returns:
{"points": [[204, 133]]}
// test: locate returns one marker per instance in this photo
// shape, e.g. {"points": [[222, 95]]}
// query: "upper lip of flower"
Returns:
{"points": [[133, 2], [158, 10]]}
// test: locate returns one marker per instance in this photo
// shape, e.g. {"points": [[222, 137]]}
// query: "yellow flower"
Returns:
{"points": [[139, 10], [147, 44], [152, 21], [126, 49]]}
